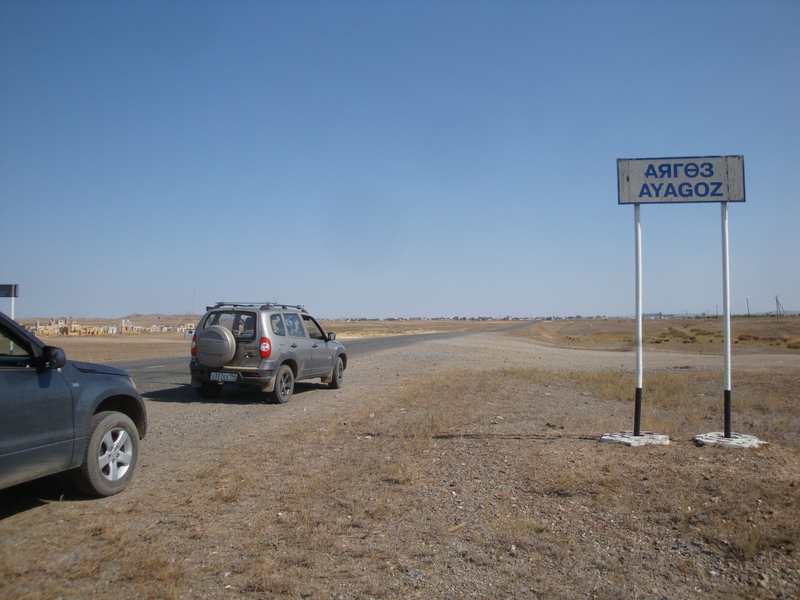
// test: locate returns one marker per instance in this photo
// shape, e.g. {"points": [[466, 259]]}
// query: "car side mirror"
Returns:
{"points": [[53, 358], [331, 337]]}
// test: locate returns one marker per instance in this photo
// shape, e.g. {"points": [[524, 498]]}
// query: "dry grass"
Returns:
{"points": [[692, 335], [366, 329], [107, 348], [394, 489], [465, 484]]}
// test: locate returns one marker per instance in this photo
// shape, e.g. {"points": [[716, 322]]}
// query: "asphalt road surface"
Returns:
{"points": [[168, 378]]}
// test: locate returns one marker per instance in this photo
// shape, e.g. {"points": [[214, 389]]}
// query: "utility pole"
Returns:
{"points": [[780, 312]]}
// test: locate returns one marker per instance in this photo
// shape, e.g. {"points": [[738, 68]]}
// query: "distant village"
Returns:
{"points": [[67, 326]]}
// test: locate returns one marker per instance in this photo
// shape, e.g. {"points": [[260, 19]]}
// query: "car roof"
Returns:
{"points": [[258, 305]]}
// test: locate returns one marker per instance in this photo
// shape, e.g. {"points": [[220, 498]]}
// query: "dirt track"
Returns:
{"points": [[338, 494]]}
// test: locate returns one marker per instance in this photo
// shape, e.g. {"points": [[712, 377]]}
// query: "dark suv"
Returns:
{"points": [[60, 415], [263, 344]]}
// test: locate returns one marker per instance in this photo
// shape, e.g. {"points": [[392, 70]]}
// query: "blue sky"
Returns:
{"points": [[377, 159]]}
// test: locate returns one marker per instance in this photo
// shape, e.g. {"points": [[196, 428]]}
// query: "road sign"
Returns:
{"points": [[673, 180], [9, 290], [689, 179]]}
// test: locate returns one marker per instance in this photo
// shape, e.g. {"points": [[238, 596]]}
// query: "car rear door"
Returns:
{"points": [[245, 331], [36, 427]]}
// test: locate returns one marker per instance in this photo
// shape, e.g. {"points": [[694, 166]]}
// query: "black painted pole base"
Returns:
{"points": [[727, 413], [637, 413]]}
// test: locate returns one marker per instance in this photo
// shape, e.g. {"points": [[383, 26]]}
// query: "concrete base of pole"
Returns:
{"points": [[629, 439], [736, 440]]}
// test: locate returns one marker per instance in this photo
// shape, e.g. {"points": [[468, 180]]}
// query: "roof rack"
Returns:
{"points": [[260, 305]]}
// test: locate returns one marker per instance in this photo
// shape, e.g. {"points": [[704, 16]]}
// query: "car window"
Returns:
{"points": [[242, 324], [12, 353], [294, 325], [277, 325], [314, 330], [224, 319]]}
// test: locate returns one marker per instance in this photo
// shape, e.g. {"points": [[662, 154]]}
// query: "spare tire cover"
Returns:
{"points": [[215, 346]]}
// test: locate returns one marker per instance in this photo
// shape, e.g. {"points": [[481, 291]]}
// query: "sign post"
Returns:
{"points": [[681, 180], [637, 412], [726, 319]]}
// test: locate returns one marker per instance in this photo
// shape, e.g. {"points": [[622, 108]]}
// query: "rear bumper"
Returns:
{"points": [[263, 378]]}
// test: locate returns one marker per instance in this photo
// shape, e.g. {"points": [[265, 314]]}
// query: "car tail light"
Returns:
{"points": [[264, 347], [194, 345]]}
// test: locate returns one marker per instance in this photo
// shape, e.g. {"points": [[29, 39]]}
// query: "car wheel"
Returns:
{"points": [[284, 385], [337, 375], [215, 346], [209, 391], [111, 455]]}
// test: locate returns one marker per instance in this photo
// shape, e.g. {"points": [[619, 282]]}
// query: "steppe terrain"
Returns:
{"points": [[463, 467]]}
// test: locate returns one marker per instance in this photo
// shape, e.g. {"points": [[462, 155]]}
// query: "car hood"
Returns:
{"points": [[88, 367]]}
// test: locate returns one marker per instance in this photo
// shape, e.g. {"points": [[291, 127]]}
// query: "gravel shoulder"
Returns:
{"points": [[415, 481]]}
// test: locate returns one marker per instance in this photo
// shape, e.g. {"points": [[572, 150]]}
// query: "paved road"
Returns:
{"points": [[167, 378]]}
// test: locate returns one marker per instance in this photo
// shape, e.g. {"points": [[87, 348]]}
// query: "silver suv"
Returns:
{"points": [[263, 344]]}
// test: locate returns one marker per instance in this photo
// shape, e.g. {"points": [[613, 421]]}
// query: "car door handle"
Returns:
{"points": [[313, 345], [293, 346]]}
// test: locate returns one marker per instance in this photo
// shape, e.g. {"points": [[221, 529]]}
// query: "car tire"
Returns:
{"points": [[337, 374], [209, 391], [284, 385], [215, 346], [110, 457]]}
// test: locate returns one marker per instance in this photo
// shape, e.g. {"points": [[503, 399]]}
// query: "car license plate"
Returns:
{"points": [[217, 376]]}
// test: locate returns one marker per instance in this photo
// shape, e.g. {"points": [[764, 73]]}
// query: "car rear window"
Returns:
{"points": [[241, 323]]}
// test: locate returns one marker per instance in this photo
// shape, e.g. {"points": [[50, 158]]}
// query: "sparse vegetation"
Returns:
{"points": [[703, 334]]}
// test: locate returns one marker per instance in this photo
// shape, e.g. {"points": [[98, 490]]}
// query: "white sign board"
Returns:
{"points": [[688, 179]]}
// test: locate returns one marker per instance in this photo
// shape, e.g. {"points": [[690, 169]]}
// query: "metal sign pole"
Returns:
{"points": [[727, 438], [637, 414], [10, 291], [726, 315]]}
